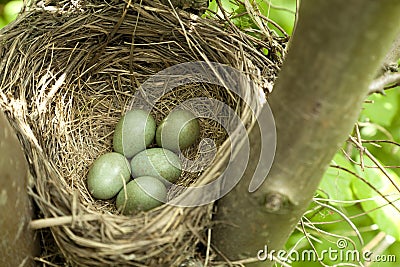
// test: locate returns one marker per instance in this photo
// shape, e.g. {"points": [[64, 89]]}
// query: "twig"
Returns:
{"points": [[389, 202], [361, 150], [276, 7], [375, 161], [347, 219], [58, 221], [208, 248], [378, 244], [381, 141], [379, 84]]}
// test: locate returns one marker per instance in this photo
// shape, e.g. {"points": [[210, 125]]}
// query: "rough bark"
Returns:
{"points": [[336, 50], [18, 245], [393, 56]]}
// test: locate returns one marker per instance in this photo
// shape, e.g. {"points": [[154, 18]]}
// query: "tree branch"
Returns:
{"points": [[316, 101], [388, 76], [380, 84]]}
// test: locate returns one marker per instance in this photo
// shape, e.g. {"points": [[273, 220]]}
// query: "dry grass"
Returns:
{"points": [[68, 73]]}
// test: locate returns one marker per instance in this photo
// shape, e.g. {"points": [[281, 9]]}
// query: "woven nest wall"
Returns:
{"points": [[68, 72]]}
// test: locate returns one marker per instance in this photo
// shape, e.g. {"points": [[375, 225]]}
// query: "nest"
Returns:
{"points": [[69, 72]]}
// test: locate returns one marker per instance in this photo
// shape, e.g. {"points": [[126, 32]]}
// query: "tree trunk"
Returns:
{"points": [[336, 50], [18, 245]]}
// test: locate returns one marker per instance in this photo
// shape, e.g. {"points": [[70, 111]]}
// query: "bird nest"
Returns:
{"points": [[68, 72]]}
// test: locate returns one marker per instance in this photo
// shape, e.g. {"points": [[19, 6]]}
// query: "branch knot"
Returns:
{"points": [[276, 202]]}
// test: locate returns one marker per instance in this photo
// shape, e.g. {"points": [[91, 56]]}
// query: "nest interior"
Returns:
{"points": [[69, 72]]}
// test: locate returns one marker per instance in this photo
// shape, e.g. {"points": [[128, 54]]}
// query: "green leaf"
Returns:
{"points": [[382, 110], [335, 183], [385, 215], [389, 154], [395, 124], [278, 11], [212, 5], [229, 5], [11, 10], [393, 250], [2, 23]]}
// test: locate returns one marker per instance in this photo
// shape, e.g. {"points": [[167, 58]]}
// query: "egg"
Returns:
{"points": [[141, 194], [107, 175], [134, 132], [157, 162], [179, 130]]}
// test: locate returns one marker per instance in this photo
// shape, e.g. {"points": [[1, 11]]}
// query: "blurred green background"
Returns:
{"points": [[345, 207], [9, 11]]}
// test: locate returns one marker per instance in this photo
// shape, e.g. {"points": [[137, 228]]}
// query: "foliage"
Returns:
{"points": [[357, 199], [9, 11], [280, 13], [366, 184]]}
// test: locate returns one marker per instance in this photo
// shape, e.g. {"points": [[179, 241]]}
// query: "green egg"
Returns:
{"points": [[179, 130], [107, 175], [134, 132], [142, 194], [157, 162]]}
